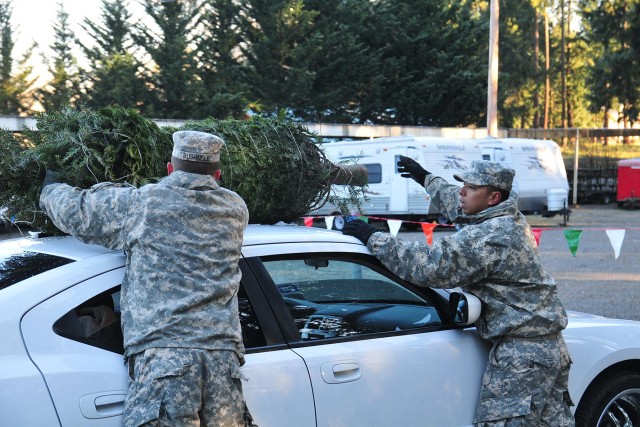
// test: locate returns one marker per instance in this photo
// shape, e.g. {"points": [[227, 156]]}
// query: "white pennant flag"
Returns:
{"points": [[616, 237], [394, 225], [329, 221]]}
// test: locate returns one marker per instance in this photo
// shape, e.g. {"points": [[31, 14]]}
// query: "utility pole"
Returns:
{"points": [[492, 87]]}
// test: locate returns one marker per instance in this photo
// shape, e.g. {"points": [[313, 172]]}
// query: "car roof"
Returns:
{"points": [[71, 248], [62, 246], [291, 233]]}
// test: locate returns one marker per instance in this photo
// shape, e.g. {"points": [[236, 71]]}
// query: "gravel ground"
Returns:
{"points": [[593, 281]]}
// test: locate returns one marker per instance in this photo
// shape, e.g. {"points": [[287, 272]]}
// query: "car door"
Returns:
{"points": [[87, 377], [379, 351]]}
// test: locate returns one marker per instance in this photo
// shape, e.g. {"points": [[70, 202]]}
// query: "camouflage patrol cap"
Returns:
{"points": [[484, 172], [196, 146]]}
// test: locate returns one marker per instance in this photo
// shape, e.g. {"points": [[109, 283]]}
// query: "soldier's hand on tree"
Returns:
{"points": [[50, 177]]}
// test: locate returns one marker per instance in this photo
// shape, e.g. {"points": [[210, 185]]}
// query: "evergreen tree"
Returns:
{"points": [[15, 78], [223, 77], [275, 34], [613, 28], [442, 49], [64, 87], [172, 75], [113, 71], [344, 64]]}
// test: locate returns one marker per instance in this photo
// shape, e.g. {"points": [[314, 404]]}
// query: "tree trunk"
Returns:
{"points": [[547, 83], [569, 71], [536, 66], [492, 86]]}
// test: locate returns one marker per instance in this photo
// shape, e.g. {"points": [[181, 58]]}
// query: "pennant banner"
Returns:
{"points": [[616, 237], [537, 232], [573, 239], [394, 226], [427, 228], [329, 221]]}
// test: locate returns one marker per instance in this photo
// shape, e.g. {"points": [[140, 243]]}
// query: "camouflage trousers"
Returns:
{"points": [[185, 387], [526, 384]]}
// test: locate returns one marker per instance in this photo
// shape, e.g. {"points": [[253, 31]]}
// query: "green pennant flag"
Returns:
{"points": [[573, 239]]}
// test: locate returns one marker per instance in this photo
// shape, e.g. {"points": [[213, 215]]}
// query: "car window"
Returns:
{"points": [[20, 265], [96, 322], [330, 298]]}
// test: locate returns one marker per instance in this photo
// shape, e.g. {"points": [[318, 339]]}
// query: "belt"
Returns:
{"points": [[552, 336]]}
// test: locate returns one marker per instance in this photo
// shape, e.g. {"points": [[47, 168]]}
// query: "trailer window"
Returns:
{"points": [[374, 172]]}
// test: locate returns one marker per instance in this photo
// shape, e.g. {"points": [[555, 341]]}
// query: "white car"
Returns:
{"points": [[332, 338]]}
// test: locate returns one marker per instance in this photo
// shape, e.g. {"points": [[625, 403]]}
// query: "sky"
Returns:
{"points": [[33, 20]]}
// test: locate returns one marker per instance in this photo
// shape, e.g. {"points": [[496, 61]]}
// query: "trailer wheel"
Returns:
{"points": [[338, 222]]}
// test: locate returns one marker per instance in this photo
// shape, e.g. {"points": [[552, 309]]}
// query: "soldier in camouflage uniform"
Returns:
{"points": [[180, 321], [494, 257]]}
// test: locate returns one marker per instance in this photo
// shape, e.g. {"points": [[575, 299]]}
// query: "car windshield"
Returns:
{"points": [[20, 264]]}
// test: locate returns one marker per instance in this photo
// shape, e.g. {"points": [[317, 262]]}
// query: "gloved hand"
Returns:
{"points": [[50, 178], [359, 229], [409, 168]]}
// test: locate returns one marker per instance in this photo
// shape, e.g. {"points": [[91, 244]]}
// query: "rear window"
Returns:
{"points": [[21, 265]]}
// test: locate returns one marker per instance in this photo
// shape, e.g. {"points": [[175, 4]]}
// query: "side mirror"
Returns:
{"points": [[464, 308]]}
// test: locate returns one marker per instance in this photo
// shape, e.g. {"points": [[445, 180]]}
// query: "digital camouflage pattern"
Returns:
{"points": [[182, 238], [484, 172], [194, 146], [525, 384], [494, 256], [170, 384]]}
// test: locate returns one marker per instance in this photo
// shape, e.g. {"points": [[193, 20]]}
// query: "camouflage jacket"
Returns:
{"points": [[493, 256], [182, 238]]}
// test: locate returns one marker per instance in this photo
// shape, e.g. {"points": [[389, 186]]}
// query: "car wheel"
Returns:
{"points": [[613, 400]]}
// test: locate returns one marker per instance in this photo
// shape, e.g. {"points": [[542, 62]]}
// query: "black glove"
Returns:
{"points": [[409, 168], [50, 178], [359, 229]]}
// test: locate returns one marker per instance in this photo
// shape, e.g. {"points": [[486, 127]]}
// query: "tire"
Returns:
{"points": [[338, 222], [612, 400]]}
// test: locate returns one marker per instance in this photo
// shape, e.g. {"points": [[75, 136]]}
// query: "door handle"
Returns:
{"points": [[340, 372], [102, 405]]}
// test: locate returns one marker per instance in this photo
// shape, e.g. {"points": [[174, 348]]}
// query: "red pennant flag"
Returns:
{"points": [[308, 221], [537, 232], [427, 228]]}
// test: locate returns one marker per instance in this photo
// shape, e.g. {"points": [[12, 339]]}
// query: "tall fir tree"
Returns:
{"points": [[613, 29], [345, 65], [442, 51], [275, 33], [64, 88], [114, 72], [172, 73], [16, 80], [223, 76]]}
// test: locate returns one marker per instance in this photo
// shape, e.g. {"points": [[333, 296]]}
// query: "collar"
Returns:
{"points": [[191, 181]]}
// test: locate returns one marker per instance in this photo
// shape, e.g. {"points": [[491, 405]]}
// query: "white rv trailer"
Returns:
{"points": [[541, 178]]}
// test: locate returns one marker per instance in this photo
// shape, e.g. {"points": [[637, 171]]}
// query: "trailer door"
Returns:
{"points": [[399, 186]]}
